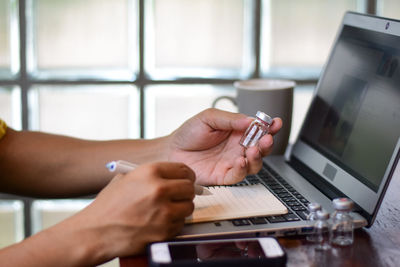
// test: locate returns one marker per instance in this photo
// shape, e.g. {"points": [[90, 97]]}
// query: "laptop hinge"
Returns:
{"points": [[323, 186], [314, 178]]}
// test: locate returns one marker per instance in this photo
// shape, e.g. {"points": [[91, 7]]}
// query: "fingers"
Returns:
{"points": [[173, 229], [237, 173], [171, 181], [251, 163], [263, 148], [179, 180], [174, 170], [266, 142], [254, 159], [178, 190], [172, 217], [179, 210], [275, 126], [224, 120]]}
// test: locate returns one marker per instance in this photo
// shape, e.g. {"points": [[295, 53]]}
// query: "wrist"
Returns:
{"points": [[156, 150], [164, 147], [74, 244]]}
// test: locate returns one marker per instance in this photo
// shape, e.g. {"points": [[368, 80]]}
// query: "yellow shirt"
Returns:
{"points": [[3, 128]]}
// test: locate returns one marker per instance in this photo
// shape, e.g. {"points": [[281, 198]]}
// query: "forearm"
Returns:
{"points": [[58, 246], [39, 164]]}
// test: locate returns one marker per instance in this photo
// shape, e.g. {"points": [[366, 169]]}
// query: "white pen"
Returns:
{"points": [[121, 166]]}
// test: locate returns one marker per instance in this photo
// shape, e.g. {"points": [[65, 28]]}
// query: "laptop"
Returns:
{"points": [[349, 143]]}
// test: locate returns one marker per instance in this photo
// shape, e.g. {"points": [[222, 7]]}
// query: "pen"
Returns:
{"points": [[121, 166]]}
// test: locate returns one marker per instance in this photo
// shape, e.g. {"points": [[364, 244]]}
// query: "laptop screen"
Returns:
{"points": [[354, 119]]}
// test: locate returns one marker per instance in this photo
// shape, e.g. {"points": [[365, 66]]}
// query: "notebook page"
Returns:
{"points": [[230, 202]]}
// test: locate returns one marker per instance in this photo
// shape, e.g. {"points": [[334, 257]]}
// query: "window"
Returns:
{"points": [[82, 39], [187, 101], [297, 36], [67, 109], [9, 45], [5, 56], [216, 43], [389, 8], [47, 213], [66, 66], [11, 221], [10, 104]]}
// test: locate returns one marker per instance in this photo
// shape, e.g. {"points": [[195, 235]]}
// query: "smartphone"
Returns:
{"points": [[264, 251]]}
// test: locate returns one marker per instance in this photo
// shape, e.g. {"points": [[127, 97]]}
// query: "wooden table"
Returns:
{"points": [[376, 246]]}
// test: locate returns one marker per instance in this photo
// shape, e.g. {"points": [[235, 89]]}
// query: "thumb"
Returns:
{"points": [[223, 120]]}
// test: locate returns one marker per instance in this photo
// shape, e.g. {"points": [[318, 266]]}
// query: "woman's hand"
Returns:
{"points": [[209, 144]]}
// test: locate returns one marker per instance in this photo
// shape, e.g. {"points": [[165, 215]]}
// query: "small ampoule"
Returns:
{"points": [[312, 216], [342, 222], [257, 129], [322, 231]]}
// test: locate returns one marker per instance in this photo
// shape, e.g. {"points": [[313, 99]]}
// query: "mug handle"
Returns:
{"points": [[232, 99]]}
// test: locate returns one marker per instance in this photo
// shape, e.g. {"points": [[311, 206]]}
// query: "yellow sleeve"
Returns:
{"points": [[3, 128]]}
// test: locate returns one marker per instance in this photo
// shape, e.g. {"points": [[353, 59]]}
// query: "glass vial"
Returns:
{"points": [[312, 216], [342, 222], [258, 128], [322, 231]]}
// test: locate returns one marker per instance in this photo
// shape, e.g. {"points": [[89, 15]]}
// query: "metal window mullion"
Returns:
{"points": [[141, 79], [256, 12], [24, 84], [23, 76], [372, 6]]}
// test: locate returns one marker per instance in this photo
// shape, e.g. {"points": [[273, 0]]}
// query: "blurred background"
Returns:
{"points": [[108, 69]]}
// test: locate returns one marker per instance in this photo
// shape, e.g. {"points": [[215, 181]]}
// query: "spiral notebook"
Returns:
{"points": [[232, 202]]}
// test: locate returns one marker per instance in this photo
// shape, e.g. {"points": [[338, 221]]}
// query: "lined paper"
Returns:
{"points": [[230, 202]]}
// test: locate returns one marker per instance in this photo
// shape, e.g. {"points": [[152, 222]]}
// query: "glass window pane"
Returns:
{"points": [[168, 106], [5, 59], [6, 105], [10, 106], [389, 8], [11, 222], [203, 37], [92, 112], [9, 48], [92, 34], [46, 213], [300, 33]]}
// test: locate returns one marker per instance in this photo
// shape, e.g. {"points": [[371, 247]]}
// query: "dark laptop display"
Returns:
{"points": [[358, 100]]}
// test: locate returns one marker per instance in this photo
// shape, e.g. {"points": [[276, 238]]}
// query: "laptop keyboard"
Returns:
{"points": [[293, 200]]}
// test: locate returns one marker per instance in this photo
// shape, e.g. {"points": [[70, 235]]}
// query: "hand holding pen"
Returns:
{"points": [[121, 166]]}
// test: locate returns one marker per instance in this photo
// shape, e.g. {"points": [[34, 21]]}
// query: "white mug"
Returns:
{"points": [[273, 97]]}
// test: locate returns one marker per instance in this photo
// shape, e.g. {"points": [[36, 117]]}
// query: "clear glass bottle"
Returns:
{"points": [[312, 216], [258, 128], [342, 222], [322, 231]]}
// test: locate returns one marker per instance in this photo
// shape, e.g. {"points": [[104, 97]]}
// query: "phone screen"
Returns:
{"points": [[216, 250]]}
